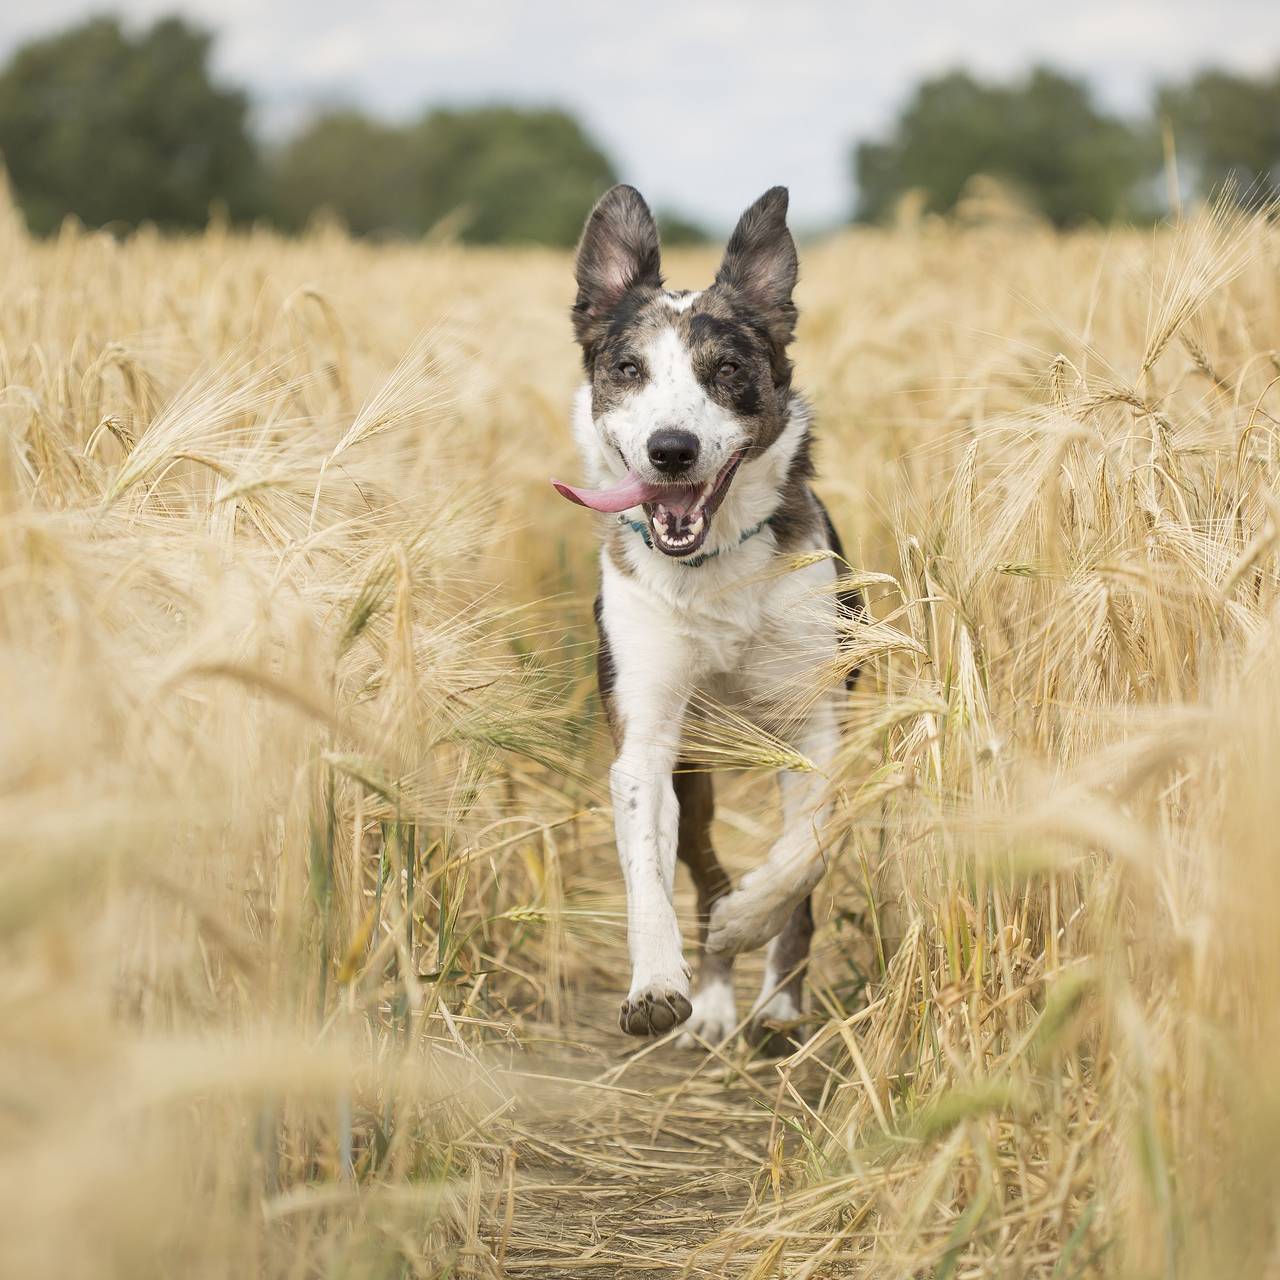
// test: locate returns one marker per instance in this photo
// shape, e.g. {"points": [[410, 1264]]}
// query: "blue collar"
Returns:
{"points": [[639, 526]]}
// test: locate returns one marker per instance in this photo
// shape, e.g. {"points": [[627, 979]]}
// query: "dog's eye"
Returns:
{"points": [[727, 369], [628, 369]]}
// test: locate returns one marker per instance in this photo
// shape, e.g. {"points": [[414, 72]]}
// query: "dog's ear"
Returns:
{"points": [[618, 251], [760, 263]]}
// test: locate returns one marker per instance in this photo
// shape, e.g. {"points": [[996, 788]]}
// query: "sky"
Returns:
{"points": [[702, 104]]}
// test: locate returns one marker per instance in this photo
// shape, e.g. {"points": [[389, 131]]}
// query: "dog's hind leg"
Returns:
{"points": [[781, 998], [714, 1014]]}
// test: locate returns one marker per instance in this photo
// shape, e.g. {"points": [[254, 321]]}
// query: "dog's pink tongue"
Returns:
{"points": [[630, 492]]}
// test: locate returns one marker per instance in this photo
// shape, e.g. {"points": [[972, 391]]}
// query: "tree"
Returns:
{"points": [[509, 174], [364, 171], [496, 174], [675, 229], [1228, 127], [1044, 136], [114, 127]]}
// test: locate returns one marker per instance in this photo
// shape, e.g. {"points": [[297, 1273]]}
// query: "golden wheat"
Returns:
{"points": [[307, 901]]}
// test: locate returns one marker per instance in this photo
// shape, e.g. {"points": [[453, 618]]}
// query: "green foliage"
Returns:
{"points": [[1228, 127], [356, 167], [514, 174], [1044, 136], [675, 229], [118, 127], [493, 174]]}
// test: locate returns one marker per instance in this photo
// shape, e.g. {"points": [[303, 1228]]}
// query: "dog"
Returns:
{"points": [[700, 450]]}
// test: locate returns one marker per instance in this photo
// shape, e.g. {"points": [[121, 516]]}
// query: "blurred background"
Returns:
{"points": [[500, 122]]}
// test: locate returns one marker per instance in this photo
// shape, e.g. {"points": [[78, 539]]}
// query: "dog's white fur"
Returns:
{"points": [[672, 396], [724, 627], [682, 301]]}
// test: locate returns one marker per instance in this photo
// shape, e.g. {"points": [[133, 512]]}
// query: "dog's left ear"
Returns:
{"points": [[760, 262]]}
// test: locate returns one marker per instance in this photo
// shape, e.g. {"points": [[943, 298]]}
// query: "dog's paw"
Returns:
{"points": [[772, 1038], [713, 1019], [775, 1029], [654, 1009]]}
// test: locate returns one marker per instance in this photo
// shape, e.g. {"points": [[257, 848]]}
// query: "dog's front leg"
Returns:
{"points": [[759, 906], [649, 697], [646, 819]]}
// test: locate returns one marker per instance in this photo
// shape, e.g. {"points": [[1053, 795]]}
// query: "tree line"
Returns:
{"points": [[120, 127], [1046, 137]]}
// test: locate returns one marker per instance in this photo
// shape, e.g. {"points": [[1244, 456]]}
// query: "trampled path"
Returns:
{"points": [[632, 1157]]}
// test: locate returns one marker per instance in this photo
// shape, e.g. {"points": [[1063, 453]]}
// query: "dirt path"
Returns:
{"points": [[633, 1158], [630, 1157]]}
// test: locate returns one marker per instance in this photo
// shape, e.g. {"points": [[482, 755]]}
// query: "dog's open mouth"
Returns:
{"points": [[679, 522], [679, 515]]}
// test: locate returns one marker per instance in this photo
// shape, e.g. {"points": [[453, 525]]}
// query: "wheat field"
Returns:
{"points": [[312, 934]]}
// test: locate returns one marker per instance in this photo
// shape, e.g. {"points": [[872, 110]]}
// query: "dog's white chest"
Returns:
{"points": [[739, 630]]}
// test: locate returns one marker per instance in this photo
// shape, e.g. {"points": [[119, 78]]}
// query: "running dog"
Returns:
{"points": [[700, 451]]}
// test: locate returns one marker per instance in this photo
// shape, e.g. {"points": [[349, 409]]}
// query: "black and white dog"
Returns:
{"points": [[689, 425]]}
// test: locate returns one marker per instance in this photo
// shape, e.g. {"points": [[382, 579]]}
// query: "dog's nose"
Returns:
{"points": [[673, 452]]}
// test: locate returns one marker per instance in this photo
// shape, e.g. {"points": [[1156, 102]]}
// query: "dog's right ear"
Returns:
{"points": [[618, 251]]}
